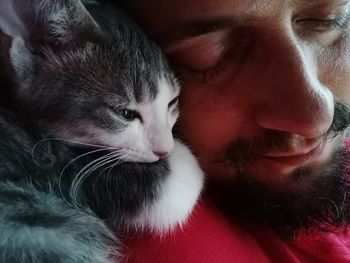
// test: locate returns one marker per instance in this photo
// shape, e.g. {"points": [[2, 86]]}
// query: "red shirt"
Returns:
{"points": [[211, 237]]}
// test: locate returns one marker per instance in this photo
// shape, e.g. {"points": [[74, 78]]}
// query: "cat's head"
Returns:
{"points": [[91, 78]]}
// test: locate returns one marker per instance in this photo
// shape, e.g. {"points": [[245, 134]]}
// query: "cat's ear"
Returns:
{"points": [[48, 23], [59, 22], [31, 26]]}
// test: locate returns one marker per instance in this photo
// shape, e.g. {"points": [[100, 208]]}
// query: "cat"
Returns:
{"points": [[86, 144]]}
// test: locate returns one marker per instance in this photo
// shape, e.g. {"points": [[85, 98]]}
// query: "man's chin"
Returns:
{"points": [[313, 196], [284, 179], [289, 173]]}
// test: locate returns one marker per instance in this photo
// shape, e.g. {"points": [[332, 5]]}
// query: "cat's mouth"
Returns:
{"points": [[129, 155]]}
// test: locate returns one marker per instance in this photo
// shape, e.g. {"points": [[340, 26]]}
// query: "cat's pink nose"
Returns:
{"points": [[162, 155]]}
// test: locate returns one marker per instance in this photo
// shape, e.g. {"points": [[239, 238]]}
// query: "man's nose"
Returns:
{"points": [[292, 99]]}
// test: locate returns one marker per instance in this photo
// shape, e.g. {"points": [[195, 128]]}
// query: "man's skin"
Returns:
{"points": [[263, 83], [256, 69]]}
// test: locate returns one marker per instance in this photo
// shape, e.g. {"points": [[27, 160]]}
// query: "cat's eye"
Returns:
{"points": [[173, 102], [130, 115]]}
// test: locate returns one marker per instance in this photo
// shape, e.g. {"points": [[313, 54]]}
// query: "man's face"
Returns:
{"points": [[260, 81]]}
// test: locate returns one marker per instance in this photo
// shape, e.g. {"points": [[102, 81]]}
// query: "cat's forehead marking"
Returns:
{"points": [[152, 88], [167, 89], [170, 77], [155, 109]]}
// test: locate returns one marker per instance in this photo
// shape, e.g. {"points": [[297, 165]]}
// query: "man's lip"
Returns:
{"points": [[294, 159], [294, 153]]}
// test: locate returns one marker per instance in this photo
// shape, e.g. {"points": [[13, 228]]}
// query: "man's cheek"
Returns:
{"points": [[334, 68]]}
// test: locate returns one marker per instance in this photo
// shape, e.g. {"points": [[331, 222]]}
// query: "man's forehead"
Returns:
{"points": [[186, 18], [162, 13], [213, 5]]}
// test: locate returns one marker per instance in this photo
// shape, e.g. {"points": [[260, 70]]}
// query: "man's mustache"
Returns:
{"points": [[244, 150]]}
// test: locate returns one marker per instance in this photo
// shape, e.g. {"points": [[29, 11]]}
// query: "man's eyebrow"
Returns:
{"points": [[193, 27]]}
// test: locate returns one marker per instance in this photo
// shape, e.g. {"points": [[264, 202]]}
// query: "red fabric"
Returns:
{"points": [[210, 237]]}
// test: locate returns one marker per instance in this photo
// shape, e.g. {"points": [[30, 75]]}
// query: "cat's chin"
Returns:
{"points": [[178, 194], [140, 159]]}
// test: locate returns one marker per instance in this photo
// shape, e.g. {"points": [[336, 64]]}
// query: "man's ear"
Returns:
{"points": [[34, 25]]}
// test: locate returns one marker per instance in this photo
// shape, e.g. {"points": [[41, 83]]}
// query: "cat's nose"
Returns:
{"points": [[162, 155]]}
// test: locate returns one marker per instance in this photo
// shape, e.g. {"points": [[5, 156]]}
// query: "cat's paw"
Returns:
{"points": [[178, 193]]}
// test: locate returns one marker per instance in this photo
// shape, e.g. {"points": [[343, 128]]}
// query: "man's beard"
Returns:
{"points": [[319, 199]]}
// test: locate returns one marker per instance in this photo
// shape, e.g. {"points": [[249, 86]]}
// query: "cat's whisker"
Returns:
{"points": [[88, 169], [119, 160], [112, 166], [81, 143], [68, 141], [70, 163], [120, 153], [79, 179], [115, 162], [115, 154], [91, 166], [53, 131]]}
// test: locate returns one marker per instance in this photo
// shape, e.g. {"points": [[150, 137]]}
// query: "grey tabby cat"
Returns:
{"points": [[86, 145]]}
